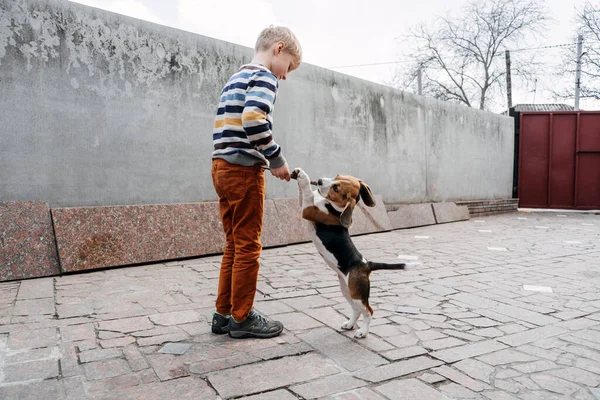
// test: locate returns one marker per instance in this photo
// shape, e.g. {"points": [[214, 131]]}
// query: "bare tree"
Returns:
{"points": [[588, 21], [462, 58]]}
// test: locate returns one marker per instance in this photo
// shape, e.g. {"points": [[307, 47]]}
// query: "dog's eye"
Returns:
{"points": [[335, 188]]}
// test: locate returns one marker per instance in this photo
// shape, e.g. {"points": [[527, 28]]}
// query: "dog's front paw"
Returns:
{"points": [[348, 325], [361, 334], [300, 175]]}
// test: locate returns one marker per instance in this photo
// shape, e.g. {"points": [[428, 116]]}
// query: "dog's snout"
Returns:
{"points": [[320, 182]]}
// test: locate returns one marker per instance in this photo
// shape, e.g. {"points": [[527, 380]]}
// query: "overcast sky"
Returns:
{"points": [[337, 33]]}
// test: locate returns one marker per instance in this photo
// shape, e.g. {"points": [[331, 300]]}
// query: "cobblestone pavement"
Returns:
{"points": [[460, 324]]}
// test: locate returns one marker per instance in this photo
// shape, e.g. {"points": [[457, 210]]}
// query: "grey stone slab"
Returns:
{"points": [[36, 289], [175, 348], [475, 369], [267, 375], [370, 219], [51, 388], [412, 215], [397, 369], [274, 228], [408, 310], [356, 394], [468, 351], [406, 352], [524, 315], [327, 386], [506, 356], [449, 212], [532, 335], [410, 389], [461, 379], [32, 370], [281, 394], [347, 352]]}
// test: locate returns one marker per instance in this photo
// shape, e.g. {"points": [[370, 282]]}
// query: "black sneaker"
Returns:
{"points": [[220, 323], [255, 325]]}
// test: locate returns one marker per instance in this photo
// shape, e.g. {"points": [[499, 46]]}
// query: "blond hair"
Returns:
{"points": [[274, 34]]}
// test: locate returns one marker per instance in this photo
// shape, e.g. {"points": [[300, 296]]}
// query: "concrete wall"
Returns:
{"points": [[102, 109]]}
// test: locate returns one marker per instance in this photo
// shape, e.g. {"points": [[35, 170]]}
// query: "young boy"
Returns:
{"points": [[243, 146]]}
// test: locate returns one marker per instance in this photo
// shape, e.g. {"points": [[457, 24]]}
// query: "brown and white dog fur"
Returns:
{"points": [[328, 210]]}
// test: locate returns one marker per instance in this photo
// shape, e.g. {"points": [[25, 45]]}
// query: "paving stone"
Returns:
{"points": [[408, 310], [77, 332], [475, 369], [429, 335], [431, 378], [459, 378], [167, 366], [30, 339], [175, 348], [41, 369], [99, 354], [532, 335], [577, 375], [266, 375], [403, 340], [468, 351], [524, 315], [182, 388], [36, 289], [235, 360], [51, 388], [160, 339], [281, 394], [327, 386], [118, 342], [439, 344], [126, 325], [356, 394], [175, 318], [348, 353], [406, 352], [506, 356], [298, 321], [458, 392], [409, 389], [481, 322], [554, 384], [106, 369], [535, 366], [499, 395], [462, 335], [397, 369], [34, 307], [487, 332]]}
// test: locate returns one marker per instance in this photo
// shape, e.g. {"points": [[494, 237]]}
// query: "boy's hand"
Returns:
{"points": [[282, 172]]}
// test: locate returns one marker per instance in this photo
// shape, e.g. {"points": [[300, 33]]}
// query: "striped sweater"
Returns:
{"points": [[242, 131]]}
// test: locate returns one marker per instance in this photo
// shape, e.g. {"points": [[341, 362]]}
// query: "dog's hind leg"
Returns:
{"points": [[359, 287], [351, 323]]}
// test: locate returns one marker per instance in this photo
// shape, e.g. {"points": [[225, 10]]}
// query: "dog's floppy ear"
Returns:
{"points": [[346, 217], [366, 194]]}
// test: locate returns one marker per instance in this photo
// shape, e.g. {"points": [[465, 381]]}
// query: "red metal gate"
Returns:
{"points": [[559, 160]]}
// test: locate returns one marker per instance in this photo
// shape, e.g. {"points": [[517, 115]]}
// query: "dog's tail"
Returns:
{"points": [[374, 266]]}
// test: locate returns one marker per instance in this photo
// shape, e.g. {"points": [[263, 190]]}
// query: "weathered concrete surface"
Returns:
{"points": [[459, 325], [102, 109]]}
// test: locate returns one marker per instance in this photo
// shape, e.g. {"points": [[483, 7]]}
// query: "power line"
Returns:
{"points": [[367, 65], [546, 47], [497, 55]]}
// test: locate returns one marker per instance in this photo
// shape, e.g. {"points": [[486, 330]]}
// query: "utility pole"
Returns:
{"points": [[578, 71], [508, 80], [420, 81]]}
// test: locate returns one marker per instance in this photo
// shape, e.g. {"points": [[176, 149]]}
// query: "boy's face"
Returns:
{"points": [[282, 62]]}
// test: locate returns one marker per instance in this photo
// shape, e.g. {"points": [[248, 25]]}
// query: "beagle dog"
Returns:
{"points": [[328, 210]]}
